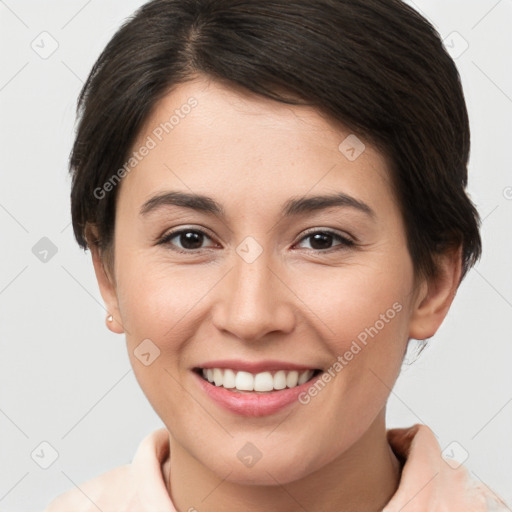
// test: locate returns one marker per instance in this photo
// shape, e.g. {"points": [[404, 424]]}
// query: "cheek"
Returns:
{"points": [[356, 302], [157, 300], [361, 315], [157, 308], [363, 318]]}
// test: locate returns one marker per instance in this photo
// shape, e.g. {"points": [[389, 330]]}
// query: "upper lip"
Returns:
{"points": [[255, 366]]}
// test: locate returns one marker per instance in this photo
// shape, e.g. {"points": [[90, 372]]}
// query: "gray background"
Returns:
{"points": [[66, 380]]}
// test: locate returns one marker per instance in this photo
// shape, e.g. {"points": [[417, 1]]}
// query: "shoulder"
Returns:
{"points": [[96, 493], [431, 482], [131, 487]]}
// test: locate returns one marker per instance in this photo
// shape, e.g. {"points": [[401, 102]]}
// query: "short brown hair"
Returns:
{"points": [[376, 66]]}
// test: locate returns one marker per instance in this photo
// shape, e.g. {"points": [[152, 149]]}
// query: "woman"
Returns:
{"points": [[318, 152]]}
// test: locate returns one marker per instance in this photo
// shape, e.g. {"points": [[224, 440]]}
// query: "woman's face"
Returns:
{"points": [[272, 282]]}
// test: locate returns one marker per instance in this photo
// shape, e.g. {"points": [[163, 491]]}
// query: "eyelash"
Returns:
{"points": [[345, 242]]}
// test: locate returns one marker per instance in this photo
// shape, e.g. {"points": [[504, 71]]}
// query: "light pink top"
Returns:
{"points": [[428, 482]]}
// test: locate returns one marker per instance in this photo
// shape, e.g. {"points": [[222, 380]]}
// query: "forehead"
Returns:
{"points": [[204, 136]]}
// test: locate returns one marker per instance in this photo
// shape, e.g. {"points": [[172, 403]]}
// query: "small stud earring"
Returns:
{"points": [[110, 318]]}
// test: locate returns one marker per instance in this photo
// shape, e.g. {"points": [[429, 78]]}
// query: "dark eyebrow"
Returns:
{"points": [[294, 206], [194, 201], [313, 203]]}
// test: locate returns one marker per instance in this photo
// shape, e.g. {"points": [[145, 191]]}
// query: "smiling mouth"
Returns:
{"points": [[263, 382]]}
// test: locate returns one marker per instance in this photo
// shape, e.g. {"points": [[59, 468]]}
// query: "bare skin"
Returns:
{"points": [[298, 301]]}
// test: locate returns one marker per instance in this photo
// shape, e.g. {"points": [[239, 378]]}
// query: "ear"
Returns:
{"points": [[107, 287], [436, 295]]}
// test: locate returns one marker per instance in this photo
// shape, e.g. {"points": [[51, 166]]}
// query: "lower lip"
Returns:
{"points": [[253, 404]]}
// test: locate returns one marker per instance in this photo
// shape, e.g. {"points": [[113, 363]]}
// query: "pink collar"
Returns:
{"points": [[428, 482]]}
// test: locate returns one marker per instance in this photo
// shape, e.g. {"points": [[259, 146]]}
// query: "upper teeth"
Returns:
{"points": [[264, 381]]}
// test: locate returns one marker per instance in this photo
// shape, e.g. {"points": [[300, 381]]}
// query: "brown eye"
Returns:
{"points": [[323, 240], [186, 240]]}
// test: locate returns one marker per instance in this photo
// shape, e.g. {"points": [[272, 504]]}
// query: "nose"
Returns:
{"points": [[254, 300]]}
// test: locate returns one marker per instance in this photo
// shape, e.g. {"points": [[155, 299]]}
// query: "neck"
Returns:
{"points": [[364, 478]]}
